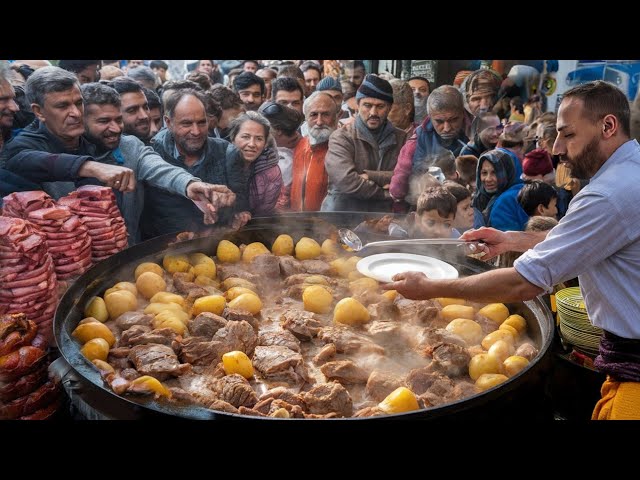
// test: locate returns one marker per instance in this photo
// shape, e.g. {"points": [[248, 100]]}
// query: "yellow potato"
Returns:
{"points": [[119, 302], [390, 295], [350, 312], [516, 321], [173, 313], [228, 252], [202, 265], [498, 312], [103, 366], [400, 400], [451, 312], [253, 250], [493, 337], [283, 245], [514, 364], [489, 380], [149, 284], [353, 261], [509, 328], [238, 282], [168, 319], [156, 308], [444, 301], [236, 292], [501, 350], [317, 299], [237, 362], [210, 303], [362, 285], [483, 363], [341, 266], [151, 385], [330, 247], [176, 263], [468, 330], [128, 286], [355, 275], [96, 349], [247, 301], [206, 281], [97, 309], [307, 249], [316, 280], [148, 267], [166, 297], [88, 331], [88, 320]]}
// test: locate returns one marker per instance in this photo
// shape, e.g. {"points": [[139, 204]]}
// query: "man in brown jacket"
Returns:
{"points": [[362, 156]]}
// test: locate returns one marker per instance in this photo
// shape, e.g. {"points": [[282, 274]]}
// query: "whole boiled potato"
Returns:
{"points": [[156, 307], [96, 349], [206, 281], [253, 250], [149, 284], [176, 313], [176, 263], [489, 380], [228, 252], [119, 302], [202, 265], [362, 285], [168, 319], [350, 312], [516, 321], [88, 331], [97, 309], [247, 301], [210, 303], [468, 330], [166, 297], [330, 248], [121, 286], [148, 267], [451, 312], [237, 362], [283, 245], [234, 292], [501, 350], [498, 312], [483, 363], [514, 364], [317, 299], [307, 249], [238, 282], [496, 335], [341, 266]]}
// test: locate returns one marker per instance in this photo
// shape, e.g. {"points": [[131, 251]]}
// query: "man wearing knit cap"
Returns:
{"points": [[332, 86], [537, 165], [362, 156]]}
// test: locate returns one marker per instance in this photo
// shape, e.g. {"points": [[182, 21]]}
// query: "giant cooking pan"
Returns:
{"points": [[521, 397]]}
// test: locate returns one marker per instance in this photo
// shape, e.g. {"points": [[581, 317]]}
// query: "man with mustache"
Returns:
{"points": [[598, 241], [361, 156], [8, 105], [309, 176], [135, 108], [421, 89]]}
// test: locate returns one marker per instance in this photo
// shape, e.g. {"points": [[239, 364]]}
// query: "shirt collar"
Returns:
{"points": [[178, 156], [623, 152]]}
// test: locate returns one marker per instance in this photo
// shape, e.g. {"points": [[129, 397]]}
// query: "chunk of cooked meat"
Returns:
{"points": [[283, 338], [419, 312], [200, 351], [302, 324], [317, 267], [119, 357], [294, 411], [369, 412], [277, 362], [138, 336], [345, 372], [381, 331], [266, 266], [238, 315], [235, 389], [285, 394], [251, 412], [129, 319], [419, 380], [178, 395], [159, 361], [380, 384], [129, 374], [290, 266], [229, 270], [325, 398], [439, 392], [348, 341], [237, 336], [462, 390], [200, 387], [187, 287], [429, 338], [206, 324], [327, 352], [383, 310], [302, 278], [450, 359], [487, 324], [527, 351], [222, 406]]}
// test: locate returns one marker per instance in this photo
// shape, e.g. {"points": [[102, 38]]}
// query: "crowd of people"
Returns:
{"points": [[291, 136]]}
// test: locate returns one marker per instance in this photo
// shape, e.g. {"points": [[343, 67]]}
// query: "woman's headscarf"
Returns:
{"points": [[505, 174]]}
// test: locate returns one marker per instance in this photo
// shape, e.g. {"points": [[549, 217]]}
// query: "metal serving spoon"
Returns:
{"points": [[353, 241]]}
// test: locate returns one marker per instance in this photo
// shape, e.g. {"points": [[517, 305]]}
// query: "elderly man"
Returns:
{"points": [[38, 151], [185, 143], [361, 156], [135, 108], [309, 176], [441, 130]]}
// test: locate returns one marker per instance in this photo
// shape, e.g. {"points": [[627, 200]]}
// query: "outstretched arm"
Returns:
{"points": [[494, 242]]}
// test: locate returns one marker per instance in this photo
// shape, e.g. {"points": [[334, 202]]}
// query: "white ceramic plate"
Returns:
{"points": [[384, 266]]}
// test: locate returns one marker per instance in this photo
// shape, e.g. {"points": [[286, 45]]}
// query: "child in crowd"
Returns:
{"points": [[466, 166], [464, 211], [538, 198], [435, 214]]}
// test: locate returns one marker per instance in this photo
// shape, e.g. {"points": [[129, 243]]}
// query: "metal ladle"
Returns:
{"points": [[353, 241]]}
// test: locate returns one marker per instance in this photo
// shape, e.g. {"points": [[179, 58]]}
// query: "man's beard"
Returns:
{"points": [[319, 135], [586, 163], [100, 141], [420, 105], [189, 147]]}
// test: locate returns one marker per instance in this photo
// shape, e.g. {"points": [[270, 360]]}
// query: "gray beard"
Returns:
{"points": [[319, 135]]}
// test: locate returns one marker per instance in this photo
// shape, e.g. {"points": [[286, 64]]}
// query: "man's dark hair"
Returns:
{"points": [[211, 105], [76, 66], [158, 64], [282, 118], [419, 77], [534, 193], [456, 190], [355, 64], [291, 71], [310, 65], [126, 85], [144, 75], [244, 62], [600, 99], [246, 79], [201, 78], [99, 94], [437, 198], [152, 99], [226, 97], [288, 84], [178, 95]]}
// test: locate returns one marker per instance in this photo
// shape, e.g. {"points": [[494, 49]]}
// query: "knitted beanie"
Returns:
{"points": [[537, 162], [375, 87], [329, 83]]}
